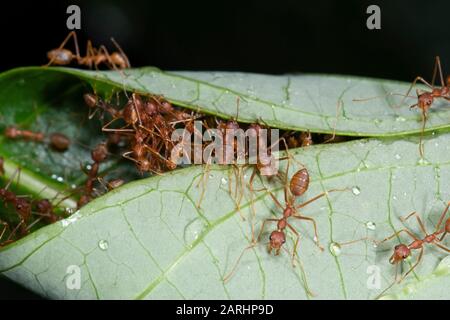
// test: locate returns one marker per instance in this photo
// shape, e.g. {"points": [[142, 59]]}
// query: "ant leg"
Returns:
{"points": [[272, 196], [294, 251], [116, 44], [437, 66], [424, 121], [106, 129], [316, 235], [304, 204], [396, 234], [422, 226], [227, 277], [340, 103], [441, 246], [414, 266], [444, 213], [393, 282]]}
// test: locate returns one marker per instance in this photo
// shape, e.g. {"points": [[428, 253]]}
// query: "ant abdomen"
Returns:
{"points": [[299, 182]]}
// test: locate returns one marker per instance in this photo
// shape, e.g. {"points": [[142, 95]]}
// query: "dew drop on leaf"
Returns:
{"points": [[356, 190], [335, 249], [103, 245], [371, 225]]}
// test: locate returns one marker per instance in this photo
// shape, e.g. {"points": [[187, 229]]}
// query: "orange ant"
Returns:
{"points": [[426, 98], [21, 205], [403, 251], [98, 155], [57, 141], [62, 56], [297, 186]]}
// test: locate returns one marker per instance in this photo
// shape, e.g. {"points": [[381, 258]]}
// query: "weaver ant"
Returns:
{"points": [[403, 251], [426, 98], [294, 188], [21, 205], [98, 155], [62, 56], [57, 141]]}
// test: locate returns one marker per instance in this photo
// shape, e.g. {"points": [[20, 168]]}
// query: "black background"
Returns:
{"points": [[252, 36]]}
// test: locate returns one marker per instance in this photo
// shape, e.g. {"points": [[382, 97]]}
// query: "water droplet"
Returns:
{"points": [[73, 218], [371, 225], [223, 180], [400, 119], [335, 249], [103, 245], [193, 230], [394, 197], [88, 167], [436, 144], [70, 211], [54, 176], [356, 190], [74, 186], [60, 179], [398, 157]]}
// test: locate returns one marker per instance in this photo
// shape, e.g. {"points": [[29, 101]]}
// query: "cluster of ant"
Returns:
{"points": [[146, 123], [25, 210]]}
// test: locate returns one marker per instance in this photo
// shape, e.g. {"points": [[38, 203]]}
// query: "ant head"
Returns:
{"points": [[232, 125], [91, 100], [11, 132], [166, 106], [150, 107], [171, 165], [44, 206], [425, 100], [145, 165], [23, 208], [119, 60], [60, 56], [100, 152], [401, 252], [129, 113], [277, 239]]}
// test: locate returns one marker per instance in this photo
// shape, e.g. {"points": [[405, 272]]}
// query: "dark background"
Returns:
{"points": [[252, 36]]}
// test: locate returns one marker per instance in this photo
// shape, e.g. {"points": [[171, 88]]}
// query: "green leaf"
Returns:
{"points": [[148, 240], [298, 102]]}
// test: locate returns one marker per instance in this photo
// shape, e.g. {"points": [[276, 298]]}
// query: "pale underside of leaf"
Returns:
{"points": [[298, 102], [148, 240]]}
